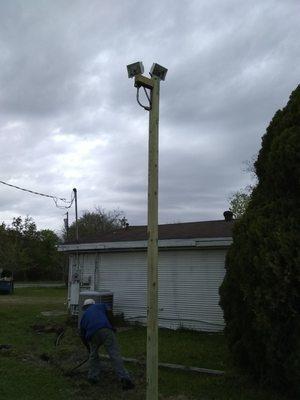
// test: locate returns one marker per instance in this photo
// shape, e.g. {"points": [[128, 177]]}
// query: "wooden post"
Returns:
{"points": [[76, 215], [66, 223], [152, 308], [76, 228]]}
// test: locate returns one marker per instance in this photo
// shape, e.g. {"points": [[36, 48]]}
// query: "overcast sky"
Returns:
{"points": [[69, 117]]}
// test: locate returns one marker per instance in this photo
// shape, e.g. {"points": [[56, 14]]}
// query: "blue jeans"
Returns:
{"points": [[106, 337]]}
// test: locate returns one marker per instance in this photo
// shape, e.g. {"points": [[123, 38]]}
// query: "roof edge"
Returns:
{"points": [[143, 244]]}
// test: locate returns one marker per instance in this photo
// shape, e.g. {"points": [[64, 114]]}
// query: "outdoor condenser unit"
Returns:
{"points": [[102, 296]]}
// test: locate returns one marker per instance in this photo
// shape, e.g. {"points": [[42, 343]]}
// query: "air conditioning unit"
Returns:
{"points": [[102, 296]]}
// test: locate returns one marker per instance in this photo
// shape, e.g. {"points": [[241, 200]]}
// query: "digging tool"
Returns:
{"points": [[70, 373], [79, 365]]}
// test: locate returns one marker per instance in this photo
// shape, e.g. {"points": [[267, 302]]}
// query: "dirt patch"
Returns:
{"points": [[48, 328], [179, 397], [5, 347], [53, 313]]}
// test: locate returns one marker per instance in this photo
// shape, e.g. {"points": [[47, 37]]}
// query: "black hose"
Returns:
{"points": [[59, 336]]}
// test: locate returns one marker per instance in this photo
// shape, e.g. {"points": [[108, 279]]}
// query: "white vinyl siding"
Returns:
{"points": [[189, 289], [125, 275], [188, 286]]}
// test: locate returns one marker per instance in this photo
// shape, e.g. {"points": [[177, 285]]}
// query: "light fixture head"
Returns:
{"points": [[134, 69], [158, 71]]}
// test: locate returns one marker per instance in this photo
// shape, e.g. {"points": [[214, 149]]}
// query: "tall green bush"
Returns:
{"points": [[260, 294]]}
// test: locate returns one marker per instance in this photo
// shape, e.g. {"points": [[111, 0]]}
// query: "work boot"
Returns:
{"points": [[127, 384]]}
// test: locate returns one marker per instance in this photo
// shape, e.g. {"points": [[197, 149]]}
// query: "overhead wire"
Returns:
{"points": [[64, 207], [54, 198]]}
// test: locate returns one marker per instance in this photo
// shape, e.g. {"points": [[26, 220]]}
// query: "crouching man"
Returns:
{"points": [[96, 328]]}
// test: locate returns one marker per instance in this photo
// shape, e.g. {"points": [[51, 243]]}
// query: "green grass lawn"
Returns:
{"points": [[178, 347], [24, 373]]}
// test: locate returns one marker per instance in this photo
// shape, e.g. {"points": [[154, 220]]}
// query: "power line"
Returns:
{"points": [[31, 191], [55, 198], [64, 207]]}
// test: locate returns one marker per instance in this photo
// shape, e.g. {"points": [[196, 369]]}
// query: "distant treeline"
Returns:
{"points": [[28, 253], [91, 224]]}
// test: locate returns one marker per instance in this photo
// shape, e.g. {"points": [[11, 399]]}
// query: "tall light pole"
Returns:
{"points": [[152, 84]]}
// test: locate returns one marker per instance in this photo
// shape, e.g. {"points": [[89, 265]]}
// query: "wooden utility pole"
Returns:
{"points": [[76, 227], [76, 215], [66, 223], [157, 74], [152, 309]]}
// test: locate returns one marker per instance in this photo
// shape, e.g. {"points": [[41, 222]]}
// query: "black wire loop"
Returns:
{"points": [[147, 108]]}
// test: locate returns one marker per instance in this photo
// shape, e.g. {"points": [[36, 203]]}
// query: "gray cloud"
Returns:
{"points": [[68, 115]]}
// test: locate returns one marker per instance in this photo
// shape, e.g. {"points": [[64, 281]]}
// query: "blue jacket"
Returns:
{"points": [[94, 318]]}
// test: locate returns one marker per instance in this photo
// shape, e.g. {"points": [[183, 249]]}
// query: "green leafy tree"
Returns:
{"points": [[13, 256], [238, 202], [51, 260], [260, 294], [45, 261], [29, 253], [9, 249], [93, 223]]}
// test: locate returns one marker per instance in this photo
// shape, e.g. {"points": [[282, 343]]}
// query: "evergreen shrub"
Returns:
{"points": [[260, 294]]}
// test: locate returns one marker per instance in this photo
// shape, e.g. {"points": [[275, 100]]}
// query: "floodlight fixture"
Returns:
{"points": [[158, 71], [134, 69]]}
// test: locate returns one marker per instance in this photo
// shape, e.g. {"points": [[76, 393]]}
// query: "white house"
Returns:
{"points": [[191, 269]]}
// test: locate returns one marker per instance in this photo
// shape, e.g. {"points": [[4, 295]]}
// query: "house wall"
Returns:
{"points": [[188, 285]]}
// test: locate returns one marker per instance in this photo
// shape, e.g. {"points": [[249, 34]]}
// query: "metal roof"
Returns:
{"points": [[185, 230]]}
